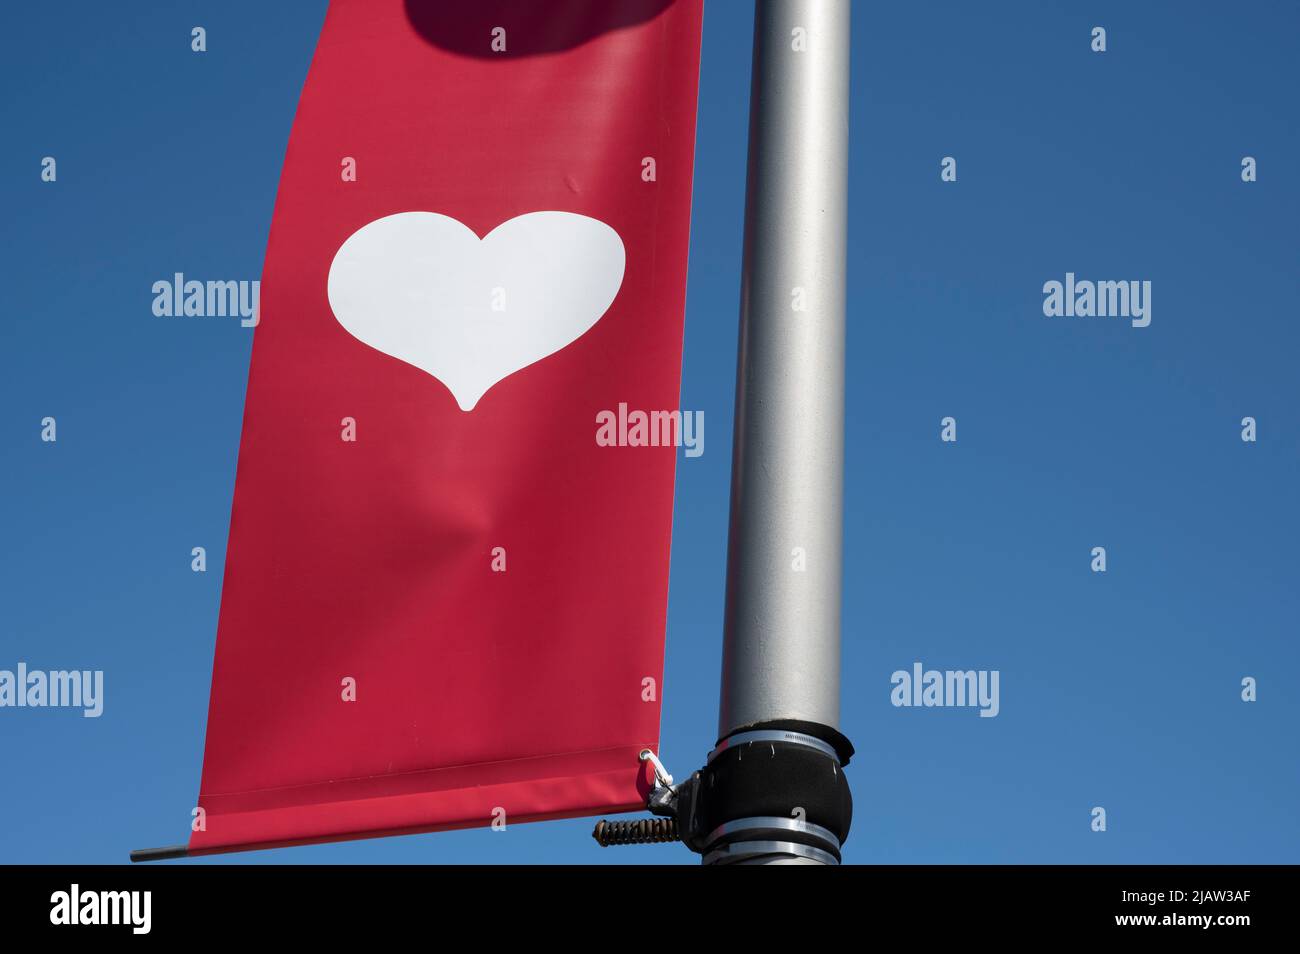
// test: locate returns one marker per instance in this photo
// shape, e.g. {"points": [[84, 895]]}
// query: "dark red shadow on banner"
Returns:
{"points": [[532, 27]]}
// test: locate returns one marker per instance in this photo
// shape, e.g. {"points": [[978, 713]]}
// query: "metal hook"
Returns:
{"points": [[661, 773]]}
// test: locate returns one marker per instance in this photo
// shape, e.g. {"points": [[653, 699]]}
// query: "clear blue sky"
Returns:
{"points": [[1119, 690]]}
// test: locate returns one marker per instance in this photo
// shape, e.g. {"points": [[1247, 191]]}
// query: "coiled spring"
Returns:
{"points": [[640, 831]]}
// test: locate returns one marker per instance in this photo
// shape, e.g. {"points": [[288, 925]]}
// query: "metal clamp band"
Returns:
{"points": [[745, 850], [774, 735], [768, 824]]}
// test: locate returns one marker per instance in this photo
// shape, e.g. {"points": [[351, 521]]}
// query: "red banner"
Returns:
{"points": [[444, 596]]}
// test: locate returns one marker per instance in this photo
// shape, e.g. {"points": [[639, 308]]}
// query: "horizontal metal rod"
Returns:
{"points": [[160, 854]]}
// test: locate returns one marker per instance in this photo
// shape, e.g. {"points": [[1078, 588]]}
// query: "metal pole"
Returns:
{"points": [[781, 652]]}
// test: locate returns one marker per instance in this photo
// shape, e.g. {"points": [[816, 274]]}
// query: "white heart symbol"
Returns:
{"points": [[423, 288]]}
